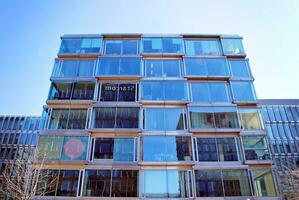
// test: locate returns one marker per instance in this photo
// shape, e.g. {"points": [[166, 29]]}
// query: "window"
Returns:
{"points": [[164, 119], [121, 47], [232, 46], [243, 91], [162, 68], [119, 92], [236, 183], [202, 47], [217, 149], [162, 45], [263, 182], [171, 184], [164, 91], [256, 148], [119, 66], [208, 183], [62, 147], [80, 45], [74, 91], [112, 117], [206, 67], [240, 68], [68, 119], [166, 148], [111, 183], [208, 92], [73, 68], [60, 182], [213, 117], [251, 119], [116, 149]]}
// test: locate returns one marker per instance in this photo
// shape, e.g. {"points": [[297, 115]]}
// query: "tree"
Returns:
{"points": [[291, 183], [25, 178]]}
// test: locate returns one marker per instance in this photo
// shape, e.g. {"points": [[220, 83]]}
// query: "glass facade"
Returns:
{"points": [[167, 117]]}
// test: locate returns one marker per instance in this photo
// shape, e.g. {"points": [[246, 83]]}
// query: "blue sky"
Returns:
{"points": [[30, 32]]}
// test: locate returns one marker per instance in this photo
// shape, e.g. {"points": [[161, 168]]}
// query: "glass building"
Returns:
{"points": [[155, 116], [18, 139], [281, 117]]}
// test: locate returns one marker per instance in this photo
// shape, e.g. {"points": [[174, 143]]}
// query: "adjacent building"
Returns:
{"points": [[281, 117], [18, 139], [155, 116]]}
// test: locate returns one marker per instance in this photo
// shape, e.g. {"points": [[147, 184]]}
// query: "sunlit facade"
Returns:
{"points": [[155, 116]]}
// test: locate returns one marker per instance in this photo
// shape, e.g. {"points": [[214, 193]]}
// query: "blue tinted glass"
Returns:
{"points": [[108, 66], [175, 91], [152, 45], [243, 91], [174, 119], [130, 47], [195, 67], [152, 90], [74, 148], [70, 46], [113, 47], [91, 45], [86, 68], [171, 68], [154, 188], [202, 117], [200, 92], [232, 46], [69, 68], [240, 68], [218, 92], [78, 45], [123, 149], [154, 119], [154, 68], [217, 67], [202, 47], [130, 66], [159, 148], [172, 45], [34, 139]]}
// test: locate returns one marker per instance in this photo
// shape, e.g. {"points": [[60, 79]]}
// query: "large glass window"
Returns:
{"points": [[206, 67], [121, 47], [62, 147], [236, 183], [171, 184], [243, 91], [74, 68], [119, 66], [162, 45], [213, 117], [251, 119], [232, 46], [164, 119], [119, 92], [166, 148], [203, 47], [255, 148], [164, 90], [116, 149], [217, 149], [209, 183], [80, 45], [162, 68], [209, 92], [68, 119], [112, 117], [263, 182], [110, 183], [240, 68], [65, 91]]}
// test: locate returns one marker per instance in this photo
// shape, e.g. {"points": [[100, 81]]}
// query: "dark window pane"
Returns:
{"points": [[227, 149], [48, 178], [104, 117], [118, 92], [127, 92], [255, 148], [207, 150], [60, 91], [127, 117], [109, 92], [83, 91], [68, 183], [208, 183], [236, 183], [77, 119], [103, 148], [59, 118], [97, 183], [124, 183]]}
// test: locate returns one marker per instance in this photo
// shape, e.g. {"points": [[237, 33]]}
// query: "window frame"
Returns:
{"points": [[219, 53], [248, 69], [122, 46], [162, 60], [239, 39], [253, 92], [162, 51], [80, 50]]}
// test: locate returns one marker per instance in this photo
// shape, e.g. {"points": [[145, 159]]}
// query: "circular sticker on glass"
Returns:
{"points": [[73, 148]]}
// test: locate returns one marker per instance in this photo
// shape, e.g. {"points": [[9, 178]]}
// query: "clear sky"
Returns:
{"points": [[30, 31]]}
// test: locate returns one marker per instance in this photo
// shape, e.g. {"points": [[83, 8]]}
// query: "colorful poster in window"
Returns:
{"points": [[74, 148]]}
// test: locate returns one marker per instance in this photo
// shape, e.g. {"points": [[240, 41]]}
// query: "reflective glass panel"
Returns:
{"points": [[86, 68], [226, 117], [77, 119], [227, 149], [243, 91], [202, 47], [202, 118], [80, 45], [68, 183], [195, 67], [127, 117], [124, 183], [207, 149], [263, 182], [175, 90], [97, 183], [236, 183], [83, 91], [74, 148], [251, 119], [60, 91], [123, 149], [162, 68], [255, 148], [208, 183], [172, 45], [152, 45], [113, 47], [240, 68], [104, 117], [232, 46], [59, 118], [217, 67]]}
